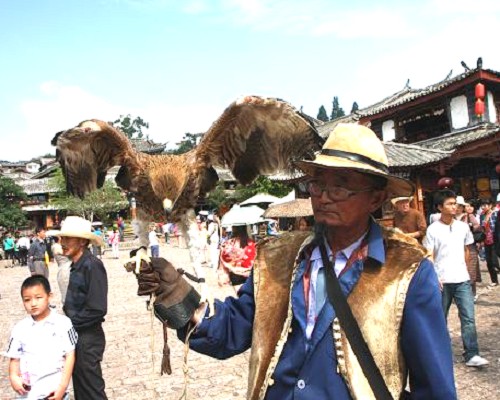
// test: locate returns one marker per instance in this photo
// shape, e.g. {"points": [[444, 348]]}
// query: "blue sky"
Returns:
{"points": [[178, 64]]}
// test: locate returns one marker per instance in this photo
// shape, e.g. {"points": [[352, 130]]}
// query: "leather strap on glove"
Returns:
{"points": [[176, 300]]}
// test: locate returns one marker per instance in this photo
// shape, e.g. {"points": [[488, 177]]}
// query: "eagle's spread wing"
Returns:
{"points": [[258, 136], [87, 151]]}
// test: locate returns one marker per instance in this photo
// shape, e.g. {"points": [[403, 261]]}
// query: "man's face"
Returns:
{"points": [[41, 235], [449, 207], [36, 302], [352, 211], [72, 246], [403, 206]]}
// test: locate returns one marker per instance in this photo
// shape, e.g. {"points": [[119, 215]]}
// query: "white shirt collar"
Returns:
{"points": [[346, 252]]}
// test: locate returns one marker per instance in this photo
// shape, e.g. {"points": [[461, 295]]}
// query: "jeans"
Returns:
{"points": [[464, 299], [155, 250]]}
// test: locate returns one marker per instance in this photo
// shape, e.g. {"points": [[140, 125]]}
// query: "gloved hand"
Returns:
{"points": [[176, 300]]}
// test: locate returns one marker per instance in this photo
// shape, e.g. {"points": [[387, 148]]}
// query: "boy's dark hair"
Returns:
{"points": [[441, 196], [34, 281], [39, 229], [487, 201]]}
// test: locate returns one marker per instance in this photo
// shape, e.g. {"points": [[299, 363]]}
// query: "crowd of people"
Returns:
{"points": [[385, 292]]}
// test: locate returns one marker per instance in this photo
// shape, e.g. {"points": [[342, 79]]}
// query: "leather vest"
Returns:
{"points": [[377, 302]]}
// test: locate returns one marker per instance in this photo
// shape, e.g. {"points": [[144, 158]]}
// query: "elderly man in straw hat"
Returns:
{"points": [[85, 304], [407, 219], [303, 346]]}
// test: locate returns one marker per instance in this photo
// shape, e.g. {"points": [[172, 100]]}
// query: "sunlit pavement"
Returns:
{"points": [[131, 333]]}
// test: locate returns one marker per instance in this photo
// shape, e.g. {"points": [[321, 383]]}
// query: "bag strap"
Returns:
{"points": [[352, 331]]}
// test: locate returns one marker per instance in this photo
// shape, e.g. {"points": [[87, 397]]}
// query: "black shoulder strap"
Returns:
{"points": [[352, 331]]}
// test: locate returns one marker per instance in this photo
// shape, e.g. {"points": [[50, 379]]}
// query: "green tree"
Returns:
{"points": [[355, 107], [99, 203], [322, 115], [261, 185], [11, 213], [132, 128], [218, 196], [337, 111], [188, 142]]}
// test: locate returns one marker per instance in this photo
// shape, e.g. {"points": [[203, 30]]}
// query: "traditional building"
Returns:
{"points": [[450, 129], [35, 179]]}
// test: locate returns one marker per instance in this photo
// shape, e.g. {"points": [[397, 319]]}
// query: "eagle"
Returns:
{"points": [[254, 136]]}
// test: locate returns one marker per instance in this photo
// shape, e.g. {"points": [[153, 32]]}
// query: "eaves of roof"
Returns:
{"points": [[408, 94], [37, 186], [457, 139], [404, 156]]}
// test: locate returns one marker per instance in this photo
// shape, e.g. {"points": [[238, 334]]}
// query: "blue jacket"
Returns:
{"points": [[308, 369]]}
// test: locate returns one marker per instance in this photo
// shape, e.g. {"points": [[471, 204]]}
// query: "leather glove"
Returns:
{"points": [[176, 300]]}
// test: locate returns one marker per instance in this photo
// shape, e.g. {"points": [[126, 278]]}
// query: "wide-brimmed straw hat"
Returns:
{"points": [[78, 227], [405, 198], [356, 147]]}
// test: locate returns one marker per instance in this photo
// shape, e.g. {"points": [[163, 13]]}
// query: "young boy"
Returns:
{"points": [[41, 347]]}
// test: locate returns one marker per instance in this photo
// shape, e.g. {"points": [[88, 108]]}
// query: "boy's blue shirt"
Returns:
{"points": [[308, 369]]}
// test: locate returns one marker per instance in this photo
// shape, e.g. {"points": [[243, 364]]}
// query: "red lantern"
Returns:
{"points": [[497, 169], [480, 93], [479, 107], [445, 182]]}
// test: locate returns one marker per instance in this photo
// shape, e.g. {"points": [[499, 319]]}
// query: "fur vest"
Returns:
{"points": [[377, 302]]}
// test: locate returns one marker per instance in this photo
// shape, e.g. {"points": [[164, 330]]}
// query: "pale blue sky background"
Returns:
{"points": [[178, 64]]}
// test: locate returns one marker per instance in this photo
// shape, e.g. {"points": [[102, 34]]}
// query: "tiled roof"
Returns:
{"points": [[325, 129], [456, 139], [37, 186], [410, 155], [408, 94], [148, 146]]}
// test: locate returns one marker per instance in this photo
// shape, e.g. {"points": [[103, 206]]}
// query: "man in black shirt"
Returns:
{"points": [[86, 305]]}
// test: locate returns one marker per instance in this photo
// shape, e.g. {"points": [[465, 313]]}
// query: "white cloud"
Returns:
{"points": [[59, 107]]}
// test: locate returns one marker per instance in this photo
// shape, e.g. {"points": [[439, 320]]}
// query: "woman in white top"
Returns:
{"points": [[213, 240]]}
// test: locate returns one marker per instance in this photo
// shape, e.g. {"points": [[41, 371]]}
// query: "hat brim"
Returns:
{"points": [[92, 237], [396, 186], [398, 199]]}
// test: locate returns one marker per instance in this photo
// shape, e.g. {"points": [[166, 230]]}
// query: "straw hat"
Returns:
{"points": [[77, 227], [396, 199], [356, 147]]}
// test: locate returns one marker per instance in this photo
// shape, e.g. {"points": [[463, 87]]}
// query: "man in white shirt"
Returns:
{"points": [[447, 239], [23, 243], [213, 237]]}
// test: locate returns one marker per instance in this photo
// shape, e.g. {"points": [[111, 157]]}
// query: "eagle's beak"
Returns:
{"points": [[167, 206]]}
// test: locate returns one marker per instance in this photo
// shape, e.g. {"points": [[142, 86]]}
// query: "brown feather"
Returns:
{"points": [[254, 136]]}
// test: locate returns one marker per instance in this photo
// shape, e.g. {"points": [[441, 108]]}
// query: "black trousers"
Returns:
{"points": [[23, 255], [88, 383], [492, 262]]}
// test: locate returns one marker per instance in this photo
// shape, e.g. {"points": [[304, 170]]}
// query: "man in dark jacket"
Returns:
{"points": [[299, 350], [86, 305]]}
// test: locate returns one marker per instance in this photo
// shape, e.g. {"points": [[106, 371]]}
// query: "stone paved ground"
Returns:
{"points": [[130, 372]]}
